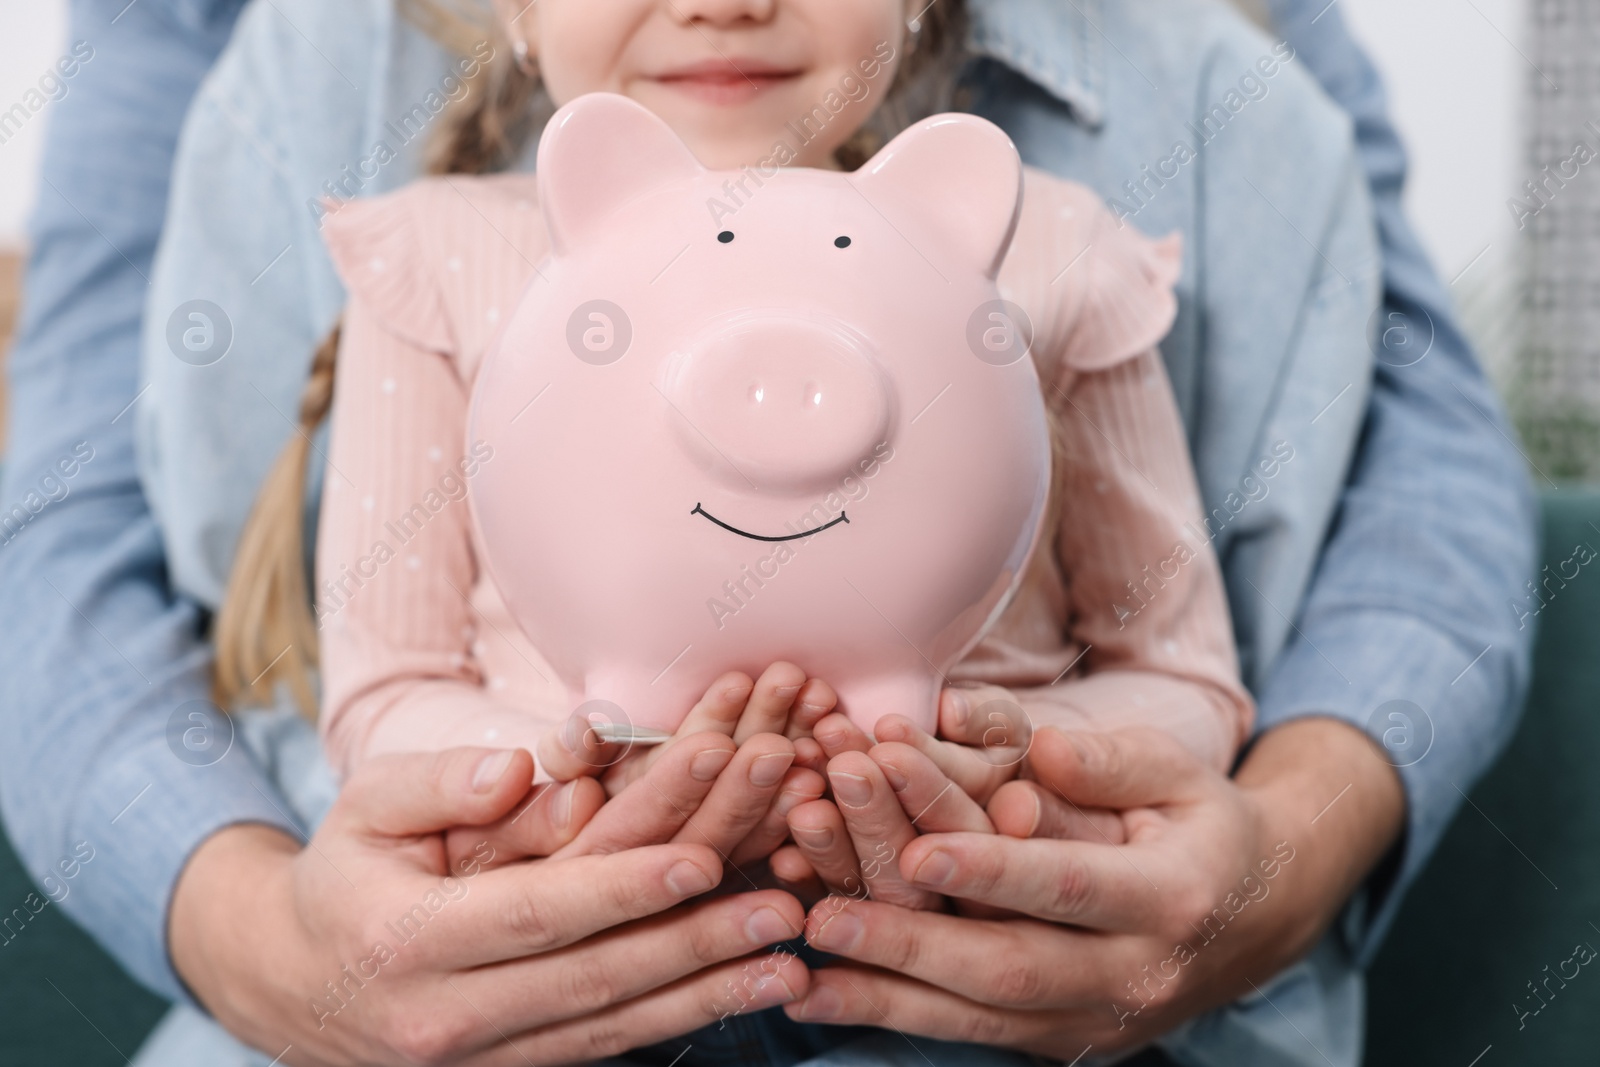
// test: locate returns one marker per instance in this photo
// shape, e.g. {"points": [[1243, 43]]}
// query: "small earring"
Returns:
{"points": [[915, 26], [519, 52]]}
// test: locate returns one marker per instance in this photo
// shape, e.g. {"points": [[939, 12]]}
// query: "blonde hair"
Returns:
{"points": [[265, 633]]}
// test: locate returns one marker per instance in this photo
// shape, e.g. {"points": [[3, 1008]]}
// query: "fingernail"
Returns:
{"points": [[768, 771], [960, 708], [1036, 818], [788, 801], [807, 706], [765, 927], [852, 790], [897, 781], [821, 840], [687, 880], [561, 805], [936, 870], [823, 1004], [572, 733], [787, 691], [490, 770], [736, 694], [706, 766], [841, 933], [773, 991]]}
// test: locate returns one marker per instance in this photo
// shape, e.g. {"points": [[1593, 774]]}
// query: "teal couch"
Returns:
{"points": [[1514, 888]]}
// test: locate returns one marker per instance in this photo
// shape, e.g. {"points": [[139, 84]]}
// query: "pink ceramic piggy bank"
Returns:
{"points": [[749, 416]]}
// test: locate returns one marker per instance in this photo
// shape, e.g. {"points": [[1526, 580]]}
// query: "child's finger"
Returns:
{"points": [[790, 866], [717, 711], [878, 827], [576, 751], [815, 701], [932, 802], [766, 711], [741, 796], [799, 786], [809, 754], [1028, 809], [987, 718], [978, 772], [720, 708], [837, 735], [825, 847], [549, 819], [653, 808]]}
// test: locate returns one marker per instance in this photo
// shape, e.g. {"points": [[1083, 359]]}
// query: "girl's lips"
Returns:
{"points": [[724, 82]]}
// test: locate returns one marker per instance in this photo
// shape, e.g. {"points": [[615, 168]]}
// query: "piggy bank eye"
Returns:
{"points": [[841, 242], [725, 236]]}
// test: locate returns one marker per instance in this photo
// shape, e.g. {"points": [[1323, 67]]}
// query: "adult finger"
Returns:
{"points": [[736, 988], [631, 960], [816, 701], [576, 751], [1121, 769], [1011, 963], [861, 996], [741, 796], [550, 818], [799, 786], [542, 905], [1087, 884], [932, 802], [879, 828], [767, 709], [409, 794], [654, 808], [1028, 809]]}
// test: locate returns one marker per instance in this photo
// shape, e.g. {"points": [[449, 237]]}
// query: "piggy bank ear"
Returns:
{"points": [[958, 176], [597, 153]]}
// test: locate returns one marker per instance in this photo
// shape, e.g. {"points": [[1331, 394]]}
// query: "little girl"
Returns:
{"points": [[1121, 621]]}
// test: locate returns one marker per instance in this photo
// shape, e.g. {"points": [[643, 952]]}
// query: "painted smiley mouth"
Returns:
{"points": [[698, 510]]}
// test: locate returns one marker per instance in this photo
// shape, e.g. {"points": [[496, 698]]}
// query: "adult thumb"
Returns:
{"points": [[422, 793]]}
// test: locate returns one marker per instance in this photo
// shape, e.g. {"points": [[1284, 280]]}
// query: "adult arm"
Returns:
{"points": [[1435, 534], [98, 654]]}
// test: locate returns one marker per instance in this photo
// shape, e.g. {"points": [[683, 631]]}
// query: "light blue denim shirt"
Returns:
{"points": [[1407, 601]]}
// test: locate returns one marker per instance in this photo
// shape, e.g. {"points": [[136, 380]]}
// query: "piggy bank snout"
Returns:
{"points": [[785, 401]]}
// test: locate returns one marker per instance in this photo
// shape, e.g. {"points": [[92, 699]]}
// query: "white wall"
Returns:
{"points": [[1456, 84], [32, 37]]}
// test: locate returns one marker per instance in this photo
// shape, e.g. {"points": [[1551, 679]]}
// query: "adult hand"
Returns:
{"points": [[1220, 885], [365, 947]]}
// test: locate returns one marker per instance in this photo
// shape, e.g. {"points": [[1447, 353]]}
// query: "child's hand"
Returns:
{"points": [[984, 735]]}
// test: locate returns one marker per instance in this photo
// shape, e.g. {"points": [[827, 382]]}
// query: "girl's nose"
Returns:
{"points": [[720, 12], [780, 401]]}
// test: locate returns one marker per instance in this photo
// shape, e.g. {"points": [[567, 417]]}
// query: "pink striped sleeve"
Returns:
{"points": [[1144, 587], [395, 563]]}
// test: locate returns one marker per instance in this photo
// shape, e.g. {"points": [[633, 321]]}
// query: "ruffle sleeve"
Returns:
{"points": [[377, 248], [1128, 304]]}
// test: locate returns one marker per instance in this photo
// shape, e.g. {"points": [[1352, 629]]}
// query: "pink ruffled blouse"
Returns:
{"points": [[1123, 623]]}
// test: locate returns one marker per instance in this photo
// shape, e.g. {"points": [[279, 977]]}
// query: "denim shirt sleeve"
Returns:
{"points": [[1436, 530], [98, 656]]}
